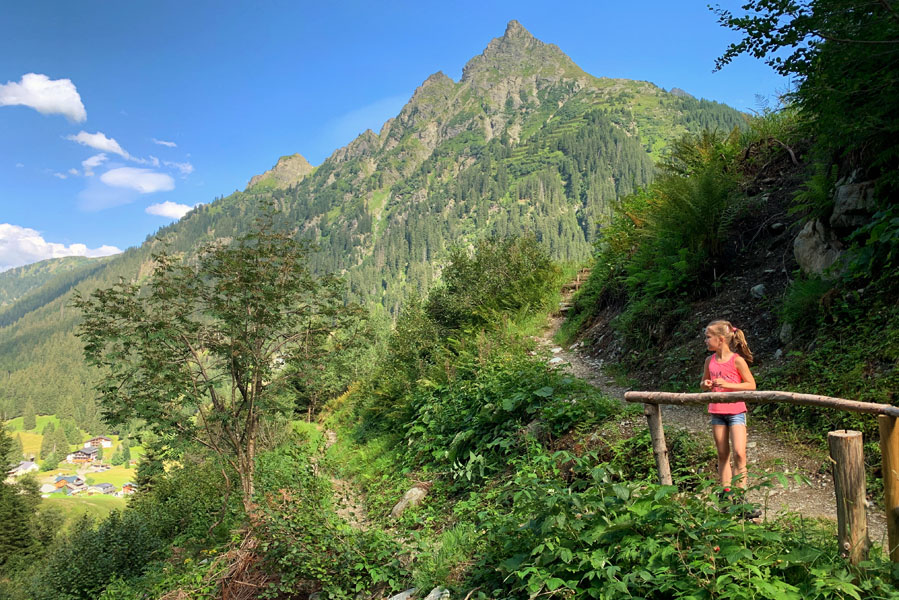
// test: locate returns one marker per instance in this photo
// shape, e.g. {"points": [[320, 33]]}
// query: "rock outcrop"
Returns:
{"points": [[289, 170], [816, 248], [853, 205]]}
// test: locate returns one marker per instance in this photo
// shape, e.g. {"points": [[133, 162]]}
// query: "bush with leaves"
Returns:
{"points": [[93, 554], [511, 276], [303, 543], [472, 422], [193, 505], [589, 536]]}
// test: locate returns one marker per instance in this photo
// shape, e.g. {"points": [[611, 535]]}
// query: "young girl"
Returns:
{"points": [[727, 370]]}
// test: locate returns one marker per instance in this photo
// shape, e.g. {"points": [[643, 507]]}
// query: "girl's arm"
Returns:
{"points": [[706, 383], [748, 382]]}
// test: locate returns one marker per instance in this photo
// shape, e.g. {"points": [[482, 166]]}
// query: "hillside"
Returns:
{"points": [[16, 283], [524, 141]]}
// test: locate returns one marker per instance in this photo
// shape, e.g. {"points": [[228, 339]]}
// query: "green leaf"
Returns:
{"points": [[554, 583]]}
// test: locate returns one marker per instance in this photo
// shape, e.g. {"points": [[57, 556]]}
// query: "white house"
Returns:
{"points": [[26, 466], [101, 488], [98, 442]]}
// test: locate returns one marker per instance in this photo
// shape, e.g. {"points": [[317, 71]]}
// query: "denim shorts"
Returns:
{"points": [[729, 420]]}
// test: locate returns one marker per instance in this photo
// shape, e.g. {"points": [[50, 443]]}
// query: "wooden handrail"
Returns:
{"points": [[849, 480], [762, 397]]}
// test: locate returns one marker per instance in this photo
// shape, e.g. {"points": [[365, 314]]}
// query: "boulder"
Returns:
{"points": [[410, 498], [757, 291], [853, 205], [786, 333], [438, 593], [816, 248], [407, 595]]}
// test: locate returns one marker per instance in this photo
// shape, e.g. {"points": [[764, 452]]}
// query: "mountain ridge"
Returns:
{"points": [[525, 141]]}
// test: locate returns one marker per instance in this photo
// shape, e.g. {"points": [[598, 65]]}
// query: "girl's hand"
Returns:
{"points": [[706, 384]]}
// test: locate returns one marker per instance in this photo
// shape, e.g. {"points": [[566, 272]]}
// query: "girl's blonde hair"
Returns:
{"points": [[734, 337]]}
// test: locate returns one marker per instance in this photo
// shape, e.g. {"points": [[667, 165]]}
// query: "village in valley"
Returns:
{"points": [[94, 476]]}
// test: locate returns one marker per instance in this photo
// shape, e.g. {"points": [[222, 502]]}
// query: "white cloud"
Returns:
{"points": [[144, 181], [45, 95], [186, 168], [73, 171], [92, 163], [21, 246], [19, 165], [99, 141], [165, 143], [168, 209], [60, 175]]}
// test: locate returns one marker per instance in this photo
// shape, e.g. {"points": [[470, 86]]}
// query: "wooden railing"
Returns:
{"points": [[845, 450]]}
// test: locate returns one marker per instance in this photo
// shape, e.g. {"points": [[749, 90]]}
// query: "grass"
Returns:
{"points": [[74, 507], [31, 442], [117, 476], [16, 425]]}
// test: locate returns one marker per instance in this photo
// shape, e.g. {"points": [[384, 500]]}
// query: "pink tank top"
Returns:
{"points": [[728, 372]]}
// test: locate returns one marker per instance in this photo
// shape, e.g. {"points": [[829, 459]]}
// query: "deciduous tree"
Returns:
{"points": [[199, 351]]}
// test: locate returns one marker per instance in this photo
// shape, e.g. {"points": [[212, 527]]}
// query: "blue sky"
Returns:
{"points": [[116, 117]]}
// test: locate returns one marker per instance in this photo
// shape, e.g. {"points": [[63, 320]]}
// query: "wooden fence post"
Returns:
{"points": [[653, 414], [849, 485], [889, 450]]}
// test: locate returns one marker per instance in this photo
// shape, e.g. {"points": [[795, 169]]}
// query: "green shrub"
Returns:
{"points": [[83, 563], [633, 459], [802, 307], [589, 536], [446, 560], [191, 505], [512, 277], [475, 420], [815, 199], [304, 545]]}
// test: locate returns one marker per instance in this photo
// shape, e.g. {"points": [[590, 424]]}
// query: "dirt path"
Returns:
{"points": [[766, 452], [347, 499]]}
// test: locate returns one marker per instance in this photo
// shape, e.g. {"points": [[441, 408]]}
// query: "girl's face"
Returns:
{"points": [[712, 341]]}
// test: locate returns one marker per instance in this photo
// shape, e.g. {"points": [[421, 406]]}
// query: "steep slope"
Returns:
{"points": [[19, 281], [524, 141]]}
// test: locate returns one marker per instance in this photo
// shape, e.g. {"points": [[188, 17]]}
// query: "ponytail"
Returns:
{"points": [[734, 337], [740, 346]]}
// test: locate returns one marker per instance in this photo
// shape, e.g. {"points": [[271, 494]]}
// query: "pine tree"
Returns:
{"points": [[60, 442], [29, 421], [16, 514], [47, 440], [18, 449]]}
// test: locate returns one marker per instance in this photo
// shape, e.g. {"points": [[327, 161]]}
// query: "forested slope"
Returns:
{"points": [[525, 141]]}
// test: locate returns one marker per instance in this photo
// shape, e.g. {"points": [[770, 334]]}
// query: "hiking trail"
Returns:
{"points": [[767, 451]]}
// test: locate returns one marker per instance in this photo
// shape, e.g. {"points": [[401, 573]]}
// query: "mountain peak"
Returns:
{"points": [[514, 29], [518, 52], [289, 170]]}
